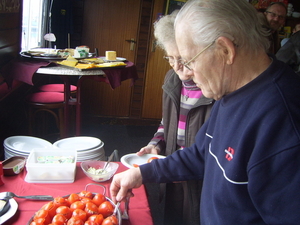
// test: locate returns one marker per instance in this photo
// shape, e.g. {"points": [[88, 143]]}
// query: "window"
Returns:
{"points": [[32, 25]]}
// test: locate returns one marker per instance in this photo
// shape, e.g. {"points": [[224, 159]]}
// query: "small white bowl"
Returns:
{"points": [[111, 169]]}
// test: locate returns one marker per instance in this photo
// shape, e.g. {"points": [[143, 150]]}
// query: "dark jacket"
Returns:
{"points": [[185, 210], [289, 53], [171, 107]]}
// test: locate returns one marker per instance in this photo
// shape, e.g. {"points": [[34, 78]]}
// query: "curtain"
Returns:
{"points": [[58, 19]]}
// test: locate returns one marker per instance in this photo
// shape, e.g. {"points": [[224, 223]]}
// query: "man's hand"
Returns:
{"points": [[123, 183]]}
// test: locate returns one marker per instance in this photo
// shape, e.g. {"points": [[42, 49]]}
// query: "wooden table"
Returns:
{"points": [[139, 211]]}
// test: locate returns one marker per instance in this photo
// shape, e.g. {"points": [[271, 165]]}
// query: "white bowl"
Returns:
{"points": [[296, 14], [111, 169]]}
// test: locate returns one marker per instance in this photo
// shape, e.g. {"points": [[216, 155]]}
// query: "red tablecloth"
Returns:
{"points": [[139, 211], [23, 69]]}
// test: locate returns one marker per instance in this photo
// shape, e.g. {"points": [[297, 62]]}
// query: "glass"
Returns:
{"points": [[273, 15], [172, 60], [186, 64]]}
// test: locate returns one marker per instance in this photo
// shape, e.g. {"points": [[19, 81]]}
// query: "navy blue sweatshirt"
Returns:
{"points": [[247, 153]]}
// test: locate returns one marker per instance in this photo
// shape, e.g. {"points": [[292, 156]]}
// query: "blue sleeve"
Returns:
{"points": [[182, 165]]}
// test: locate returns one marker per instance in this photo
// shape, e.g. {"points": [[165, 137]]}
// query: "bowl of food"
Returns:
{"points": [[13, 165], [67, 209], [94, 170]]}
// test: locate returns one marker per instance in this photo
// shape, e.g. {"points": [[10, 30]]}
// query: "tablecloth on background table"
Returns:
{"points": [[23, 69]]}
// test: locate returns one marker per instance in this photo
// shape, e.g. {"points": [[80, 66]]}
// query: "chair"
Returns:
{"points": [[42, 104], [57, 88]]}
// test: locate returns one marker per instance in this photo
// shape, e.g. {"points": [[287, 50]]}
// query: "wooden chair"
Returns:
{"points": [[42, 104]]}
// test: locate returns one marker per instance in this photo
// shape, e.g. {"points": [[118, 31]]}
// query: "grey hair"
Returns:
{"points": [[238, 20], [164, 31]]}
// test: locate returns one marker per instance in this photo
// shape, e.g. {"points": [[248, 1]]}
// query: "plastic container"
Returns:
{"points": [[54, 168], [13, 165]]}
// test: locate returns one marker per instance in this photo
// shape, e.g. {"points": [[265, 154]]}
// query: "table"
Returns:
{"points": [[24, 69], [139, 211]]}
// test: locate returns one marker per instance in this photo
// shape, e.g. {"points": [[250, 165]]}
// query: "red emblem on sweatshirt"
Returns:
{"points": [[229, 153]]}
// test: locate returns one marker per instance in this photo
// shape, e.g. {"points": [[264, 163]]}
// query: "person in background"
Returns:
{"points": [[275, 15], [296, 28], [248, 151], [289, 53], [185, 109], [285, 40]]}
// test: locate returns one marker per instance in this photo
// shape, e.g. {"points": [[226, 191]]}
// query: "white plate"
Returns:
{"points": [[118, 59], [78, 143], [11, 212], [25, 143], [130, 159]]}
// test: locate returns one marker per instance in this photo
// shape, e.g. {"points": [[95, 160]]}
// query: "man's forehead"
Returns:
{"points": [[278, 8], [181, 40]]}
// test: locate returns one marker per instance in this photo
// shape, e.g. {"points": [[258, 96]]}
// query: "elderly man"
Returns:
{"points": [[275, 15], [248, 151]]}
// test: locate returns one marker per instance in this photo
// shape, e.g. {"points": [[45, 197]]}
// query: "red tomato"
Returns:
{"points": [[64, 210], [73, 198], [111, 220], [106, 209], [38, 221], [60, 201], [98, 199], [135, 165], [59, 219], [77, 205], [51, 208], [151, 158], [42, 214], [91, 209], [86, 194], [75, 221], [79, 213], [85, 200], [97, 219], [85, 223]]}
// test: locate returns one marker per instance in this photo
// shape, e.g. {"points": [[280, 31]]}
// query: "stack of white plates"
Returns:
{"points": [[88, 148], [22, 145]]}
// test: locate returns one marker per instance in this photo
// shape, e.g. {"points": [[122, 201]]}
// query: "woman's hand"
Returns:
{"points": [[149, 149], [122, 184]]}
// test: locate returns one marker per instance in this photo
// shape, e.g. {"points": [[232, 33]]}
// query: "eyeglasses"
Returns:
{"points": [[172, 60], [273, 15], [186, 64]]}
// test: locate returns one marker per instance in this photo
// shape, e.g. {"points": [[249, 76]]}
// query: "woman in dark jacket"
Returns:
{"points": [[185, 109]]}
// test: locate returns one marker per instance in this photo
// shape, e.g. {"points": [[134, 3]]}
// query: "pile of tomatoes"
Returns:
{"points": [[84, 208]]}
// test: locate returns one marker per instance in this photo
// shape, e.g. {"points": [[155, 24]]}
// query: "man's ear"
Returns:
{"points": [[227, 49]]}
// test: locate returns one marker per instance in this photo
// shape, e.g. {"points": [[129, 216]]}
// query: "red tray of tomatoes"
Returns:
{"points": [[84, 208]]}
